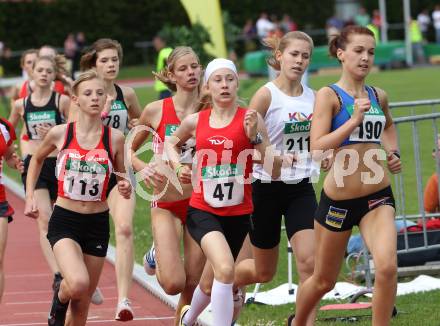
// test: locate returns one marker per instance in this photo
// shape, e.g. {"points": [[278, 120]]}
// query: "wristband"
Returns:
{"points": [[396, 153], [104, 114], [178, 169]]}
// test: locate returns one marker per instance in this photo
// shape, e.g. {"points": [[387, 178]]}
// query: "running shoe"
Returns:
{"points": [[97, 297], [57, 278], [183, 312], [58, 310], [124, 312], [290, 320], [150, 261]]}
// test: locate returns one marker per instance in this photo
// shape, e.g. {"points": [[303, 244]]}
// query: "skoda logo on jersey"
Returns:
{"points": [[217, 140]]}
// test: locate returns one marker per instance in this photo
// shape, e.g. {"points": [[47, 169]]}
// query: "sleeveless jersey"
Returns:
{"points": [[168, 124], [84, 174], [118, 116], [288, 120], [26, 90], [7, 136], [371, 128], [48, 114], [224, 167]]}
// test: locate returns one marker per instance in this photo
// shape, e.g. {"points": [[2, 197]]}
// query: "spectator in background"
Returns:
{"points": [[436, 22], [164, 51], [249, 34], [376, 20], [424, 21], [287, 24], [416, 41], [333, 26], [69, 51], [430, 196], [264, 26], [80, 40], [362, 18]]}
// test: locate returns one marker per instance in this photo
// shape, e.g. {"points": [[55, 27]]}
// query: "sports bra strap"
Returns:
{"points": [[69, 135]]}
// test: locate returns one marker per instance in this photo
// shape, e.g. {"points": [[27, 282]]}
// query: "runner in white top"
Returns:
{"points": [[287, 108]]}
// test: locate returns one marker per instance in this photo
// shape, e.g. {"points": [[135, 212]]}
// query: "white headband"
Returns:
{"points": [[219, 63]]}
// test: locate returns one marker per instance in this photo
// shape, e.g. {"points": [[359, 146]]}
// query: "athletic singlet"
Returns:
{"points": [[118, 116], [371, 128], [167, 125], [26, 89], [288, 120], [7, 136], [224, 167], [38, 115], [84, 174]]}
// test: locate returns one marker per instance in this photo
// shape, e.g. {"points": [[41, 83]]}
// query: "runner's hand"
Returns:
{"points": [[326, 164], [184, 174], [361, 105], [151, 175], [43, 129], [124, 188], [394, 163], [17, 162], [251, 124], [132, 123], [31, 208]]}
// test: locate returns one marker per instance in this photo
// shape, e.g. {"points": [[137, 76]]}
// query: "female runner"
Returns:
{"points": [[182, 75], [7, 153], [353, 119], [286, 106], [221, 203], [79, 226], [105, 55], [40, 111]]}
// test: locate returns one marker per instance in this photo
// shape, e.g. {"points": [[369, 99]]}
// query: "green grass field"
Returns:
{"points": [[401, 85]]}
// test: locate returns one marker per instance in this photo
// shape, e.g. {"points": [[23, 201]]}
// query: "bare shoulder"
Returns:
{"points": [[152, 114], [261, 100], [127, 91], [117, 135]]}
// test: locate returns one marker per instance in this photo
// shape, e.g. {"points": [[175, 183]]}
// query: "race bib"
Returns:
{"points": [[223, 185], [371, 127], [41, 118], [117, 117], [187, 149], [84, 180], [296, 136]]}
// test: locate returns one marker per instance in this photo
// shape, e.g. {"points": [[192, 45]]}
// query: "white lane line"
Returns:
{"points": [[96, 321]]}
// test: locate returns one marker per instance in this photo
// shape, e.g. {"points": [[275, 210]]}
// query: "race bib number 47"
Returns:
{"points": [[223, 185]]}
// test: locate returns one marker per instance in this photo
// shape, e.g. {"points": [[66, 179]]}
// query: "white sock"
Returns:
{"points": [[222, 303], [198, 303]]}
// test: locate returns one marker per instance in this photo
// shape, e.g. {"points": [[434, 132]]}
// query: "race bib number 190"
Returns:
{"points": [[223, 185], [371, 127]]}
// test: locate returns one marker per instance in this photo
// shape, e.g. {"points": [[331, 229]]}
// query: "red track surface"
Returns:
{"points": [[28, 293]]}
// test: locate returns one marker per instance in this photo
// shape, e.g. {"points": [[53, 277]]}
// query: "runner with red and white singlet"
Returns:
{"points": [[7, 153], [79, 228], [220, 206], [182, 75]]}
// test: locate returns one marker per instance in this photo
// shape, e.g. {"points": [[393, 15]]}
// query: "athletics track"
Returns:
{"points": [[28, 295]]}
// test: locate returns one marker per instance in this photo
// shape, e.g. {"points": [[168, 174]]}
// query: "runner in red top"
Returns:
{"points": [[220, 206], [169, 206], [7, 153], [79, 226]]}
